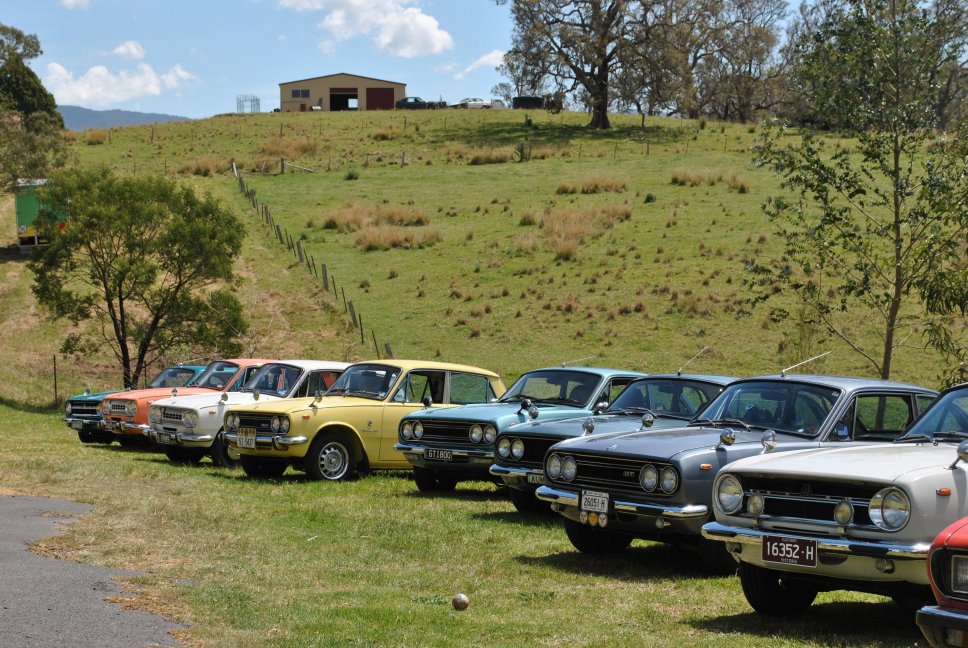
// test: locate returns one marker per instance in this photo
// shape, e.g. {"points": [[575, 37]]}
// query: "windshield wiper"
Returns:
{"points": [[915, 438], [557, 399], [717, 422]]}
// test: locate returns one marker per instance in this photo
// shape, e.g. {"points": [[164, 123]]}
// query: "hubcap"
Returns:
{"points": [[333, 461]]}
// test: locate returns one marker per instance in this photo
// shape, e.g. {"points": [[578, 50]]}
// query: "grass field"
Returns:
{"points": [[620, 249], [374, 563]]}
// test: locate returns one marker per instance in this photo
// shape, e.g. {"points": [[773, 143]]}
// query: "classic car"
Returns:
{"points": [[854, 518], [351, 428], [472, 102], [448, 446], [655, 402], [126, 414], [188, 427], [657, 485], [83, 412], [416, 103], [946, 624]]}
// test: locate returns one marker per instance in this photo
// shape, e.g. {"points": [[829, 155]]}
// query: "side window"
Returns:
{"points": [[881, 417], [420, 384], [691, 400], [614, 389], [468, 388], [808, 411], [242, 378], [923, 401]]}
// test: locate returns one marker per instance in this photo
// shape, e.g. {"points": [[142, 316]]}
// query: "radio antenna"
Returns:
{"points": [[783, 371], [701, 351], [570, 362]]}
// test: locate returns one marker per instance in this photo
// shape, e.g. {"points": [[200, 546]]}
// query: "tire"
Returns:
{"points": [[103, 437], [184, 455], [593, 540], [429, 481], [127, 441], [525, 502], [85, 436], [222, 455], [261, 468], [715, 558], [330, 458], [768, 592]]}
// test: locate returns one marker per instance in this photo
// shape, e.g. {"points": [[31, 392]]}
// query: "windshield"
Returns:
{"points": [[217, 375], [555, 386], [173, 377], [367, 380], [947, 417], [665, 397], [783, 406], [274, 380]]}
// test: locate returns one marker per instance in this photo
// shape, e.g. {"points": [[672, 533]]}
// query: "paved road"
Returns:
{"points": [[48, 602]]}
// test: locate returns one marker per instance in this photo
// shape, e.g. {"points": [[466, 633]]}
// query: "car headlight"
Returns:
{"points": [[67, 408], [418, 430], [476, 433], [232, 421], [517, 448], [275, 424], [504, 448], [284, 424], [890, 509], [553, 467], [131, 408], [154, 414], [959, 574], [668, 479], [490, 433], [568, 468], [406, 431], [729, 495], [190, 418], [648, 478]]}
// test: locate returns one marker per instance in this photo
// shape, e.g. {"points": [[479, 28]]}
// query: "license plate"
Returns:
{"points": [[594, 501], [164, 437], [438, 455], [789, 551], [535, 479], [246, 438], [77, 425]]}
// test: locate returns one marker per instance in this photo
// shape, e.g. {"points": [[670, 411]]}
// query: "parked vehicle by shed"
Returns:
{"points": [[27, 207]]}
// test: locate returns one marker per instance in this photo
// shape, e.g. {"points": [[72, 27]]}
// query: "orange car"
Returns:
{"points": [[126, 413]]}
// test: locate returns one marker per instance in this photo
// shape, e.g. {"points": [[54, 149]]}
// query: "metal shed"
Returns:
{"points": [[336, 92]]}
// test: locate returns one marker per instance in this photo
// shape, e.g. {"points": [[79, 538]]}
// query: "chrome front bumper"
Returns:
{"points": [[186, 439], [572, 498], [517, 477], [936, 623], [419, 451], [85, 424], [278, 442]]}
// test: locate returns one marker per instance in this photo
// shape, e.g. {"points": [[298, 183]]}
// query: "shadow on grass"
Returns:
{"points": [[520, 519], [12, 254], [510, 133], [30, 408], [653, 561], [478, 492], [834, 623]]}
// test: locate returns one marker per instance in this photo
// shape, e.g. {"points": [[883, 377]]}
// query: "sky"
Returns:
{"points": [[193, 58]]}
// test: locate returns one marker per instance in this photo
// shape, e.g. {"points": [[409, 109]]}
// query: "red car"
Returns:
{"points": [[946, 624]]}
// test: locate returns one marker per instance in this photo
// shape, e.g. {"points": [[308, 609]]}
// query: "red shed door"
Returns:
{"points": [[379, 98]]}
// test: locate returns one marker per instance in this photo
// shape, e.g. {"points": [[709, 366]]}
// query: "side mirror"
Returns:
{"points": [[600, 407], [768, 440], [427, 401], [648, 420], [525, 405], [962, 454], [587, 426], [533, 412], [726, 438], [224, 397], [174, 392], [255, 395], [317, 395]]}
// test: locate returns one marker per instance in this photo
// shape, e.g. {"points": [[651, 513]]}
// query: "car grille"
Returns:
{"points": [[810, 500], [118, 407], [169, 415], [449, 433], [605, 472], [85, 408], [534, 451], [261, 422]]}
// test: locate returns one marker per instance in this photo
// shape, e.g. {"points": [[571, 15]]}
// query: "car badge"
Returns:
{"points": [[611, 447]]}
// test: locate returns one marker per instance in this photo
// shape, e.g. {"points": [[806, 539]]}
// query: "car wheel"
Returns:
{"points": [[85, 436], [261, 468], [768, 592], [184, 455], [331, 458], [593, 540], [131, 441], [525, 502], [715, 557], [103, 437], [222, 454]]}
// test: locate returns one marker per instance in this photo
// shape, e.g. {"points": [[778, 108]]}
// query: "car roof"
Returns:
{"points": [[428, 364], [713, 378], [245, 362], [311, 365], [846, 383], [605, 371]]}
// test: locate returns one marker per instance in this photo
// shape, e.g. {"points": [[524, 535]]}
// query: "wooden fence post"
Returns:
{"points": [[362, 339], [299, 250], [375, 345], [386, 345], [325, 279], [282, 166], [352, 311], [279, 233]]}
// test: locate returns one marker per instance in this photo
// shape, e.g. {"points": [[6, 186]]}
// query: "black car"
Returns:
{"points": [[414, 103]]}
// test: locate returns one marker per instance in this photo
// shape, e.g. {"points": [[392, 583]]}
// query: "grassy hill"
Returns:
{"points": [[623, 248]]}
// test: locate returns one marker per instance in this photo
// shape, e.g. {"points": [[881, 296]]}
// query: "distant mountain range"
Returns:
{"points": [[78, 119]]}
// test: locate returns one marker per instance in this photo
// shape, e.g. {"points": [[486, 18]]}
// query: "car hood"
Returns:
{"points": [[604, 424], [658, 443], [501, 415], [213, 400], [290, 405], [883, 463], [97, 398], [162, 392]]}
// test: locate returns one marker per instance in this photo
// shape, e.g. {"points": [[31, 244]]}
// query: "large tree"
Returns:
{"points": [[146, 259], [875, 228]]}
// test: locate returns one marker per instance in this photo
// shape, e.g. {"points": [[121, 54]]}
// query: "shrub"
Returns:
{"points": [[290, 147], [383, 134], [96, 137], [352, 174], [491, 157]]}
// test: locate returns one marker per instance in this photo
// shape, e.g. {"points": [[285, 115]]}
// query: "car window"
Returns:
{"points": [[419, 384], [924, 400], [785, 406], [616, 387], [881, 417], [469, 388], [366, 381], [244, 376], [557, 386], [172, 377], [318, 381]]}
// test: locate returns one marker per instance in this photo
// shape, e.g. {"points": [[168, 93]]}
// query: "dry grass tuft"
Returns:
{"points": [[354, 218], [385, 237], [292, 147], [566, 229], [685, 178], [499, 156], [206, 167], [96, 136]]}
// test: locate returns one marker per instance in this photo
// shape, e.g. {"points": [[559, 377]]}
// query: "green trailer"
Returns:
{"points": [[28, 206]]}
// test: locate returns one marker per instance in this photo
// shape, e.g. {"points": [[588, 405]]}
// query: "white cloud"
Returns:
{"points": [[327, 47], [76, 4], [101, 87], [492, 59], [394, 25], [130, 50]]}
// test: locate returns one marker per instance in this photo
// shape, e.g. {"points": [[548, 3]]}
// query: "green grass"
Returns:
{"points": [[374, 563]]}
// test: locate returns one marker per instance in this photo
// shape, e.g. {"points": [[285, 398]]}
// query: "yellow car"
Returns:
{"points": [[353, 426]]}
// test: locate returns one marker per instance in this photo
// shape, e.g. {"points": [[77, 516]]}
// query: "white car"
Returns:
{"points": [[189, 427], [472, 102], [855, 518]]}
